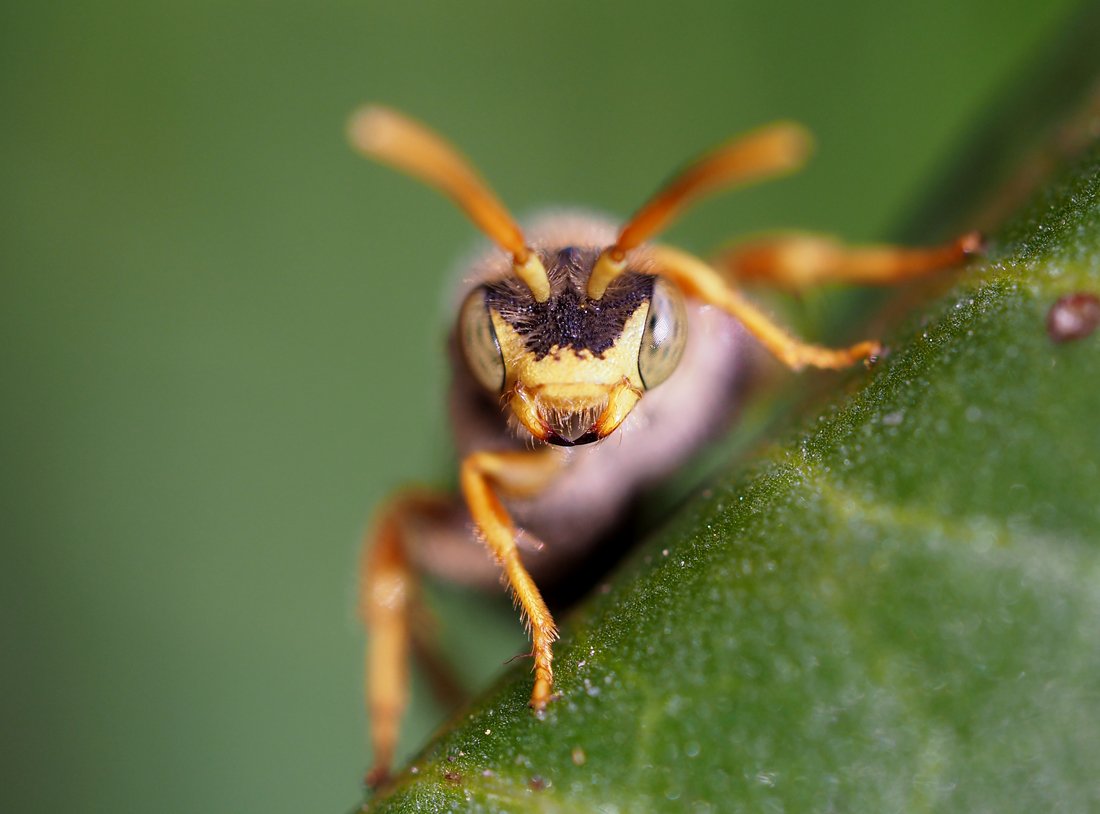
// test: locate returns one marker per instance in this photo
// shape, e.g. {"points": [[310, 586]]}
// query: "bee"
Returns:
{"points": [[569, 330]]}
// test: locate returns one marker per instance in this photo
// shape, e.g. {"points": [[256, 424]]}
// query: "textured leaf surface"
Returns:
{"points": [[895, 610]]}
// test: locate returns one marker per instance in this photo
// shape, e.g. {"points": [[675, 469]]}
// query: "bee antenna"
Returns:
{"points": [[772, 150], [395, 139]]}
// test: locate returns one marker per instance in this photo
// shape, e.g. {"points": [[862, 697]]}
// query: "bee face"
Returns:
{"points": [[572, 367]]}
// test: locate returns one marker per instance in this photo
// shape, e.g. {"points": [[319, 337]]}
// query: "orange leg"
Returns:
{"points": [[517, 473], [697, 279], [797, 260], [388, 602]]}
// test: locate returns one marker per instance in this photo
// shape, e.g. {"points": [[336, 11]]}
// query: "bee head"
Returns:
{"points": [[572, 367]]}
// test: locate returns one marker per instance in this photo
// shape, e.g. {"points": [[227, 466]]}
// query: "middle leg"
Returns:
{"points": [[798, 260]]}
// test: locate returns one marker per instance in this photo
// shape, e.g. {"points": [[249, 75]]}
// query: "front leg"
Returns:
{"points": [[483, 474], [698, 279]]}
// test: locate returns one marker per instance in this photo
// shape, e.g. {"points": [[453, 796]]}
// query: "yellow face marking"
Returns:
{"points": [[567, 381], [565, 373]]}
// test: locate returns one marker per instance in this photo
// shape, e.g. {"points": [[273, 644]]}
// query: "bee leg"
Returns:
{"points": [[516, 473], [387, 605], [698, 279], [795, 261]]}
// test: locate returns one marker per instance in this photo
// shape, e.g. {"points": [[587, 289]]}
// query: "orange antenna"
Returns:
{"points": [[773, 150], [401, 142]]}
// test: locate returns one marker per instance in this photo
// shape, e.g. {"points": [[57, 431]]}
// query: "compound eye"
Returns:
{"points": [[480, 347], [665, 334]]}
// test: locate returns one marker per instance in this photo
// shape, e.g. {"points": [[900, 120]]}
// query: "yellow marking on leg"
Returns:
{"points": [[480, 472], [696, 278]]}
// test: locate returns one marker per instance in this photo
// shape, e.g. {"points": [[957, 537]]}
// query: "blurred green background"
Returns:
{"points": [[221, 330]]}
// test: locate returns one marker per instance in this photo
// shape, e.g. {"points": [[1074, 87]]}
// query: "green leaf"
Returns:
{"points": [[896, 609]]}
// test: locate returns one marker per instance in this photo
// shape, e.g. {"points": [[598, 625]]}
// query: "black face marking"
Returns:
{"points": [[569, 319]]}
